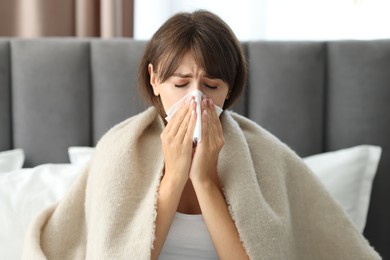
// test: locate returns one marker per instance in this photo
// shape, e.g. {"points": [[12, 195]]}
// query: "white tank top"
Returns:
{"points": [[188, 238]]}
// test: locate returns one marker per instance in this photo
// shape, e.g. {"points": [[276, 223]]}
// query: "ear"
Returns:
{"points": [[153, 79]]}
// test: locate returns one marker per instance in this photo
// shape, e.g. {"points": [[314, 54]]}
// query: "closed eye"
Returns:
{"points": [[181, 85], [210, 86]]}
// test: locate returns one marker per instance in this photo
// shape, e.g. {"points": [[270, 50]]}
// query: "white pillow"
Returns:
{"points": [[23, 194], [80, 154], [11, 160], [348, 175]]}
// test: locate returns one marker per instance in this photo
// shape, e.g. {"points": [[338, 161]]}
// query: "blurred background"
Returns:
{"points": [[250, 19]]}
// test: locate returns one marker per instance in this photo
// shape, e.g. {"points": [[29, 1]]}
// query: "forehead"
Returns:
{"points": [[184, 62], [188, 62], [190, 58]]}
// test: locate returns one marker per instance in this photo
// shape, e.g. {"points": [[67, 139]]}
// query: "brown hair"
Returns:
{"points": [[213, 45]]}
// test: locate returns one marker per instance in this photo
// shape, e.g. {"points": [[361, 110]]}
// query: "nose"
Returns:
{"points": [[196, 85]]}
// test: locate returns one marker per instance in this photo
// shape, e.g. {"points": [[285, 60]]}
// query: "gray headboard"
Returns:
{"points": [[315, 96]]}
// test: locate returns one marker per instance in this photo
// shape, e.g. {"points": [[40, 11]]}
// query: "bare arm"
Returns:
{"points": [[177, 148], [218, 220], [167, 201], [215, 211]]}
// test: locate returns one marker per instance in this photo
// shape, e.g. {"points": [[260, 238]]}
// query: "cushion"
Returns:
{"points": [[348, 175], [80, 154], [23, 194], [11, 160]]}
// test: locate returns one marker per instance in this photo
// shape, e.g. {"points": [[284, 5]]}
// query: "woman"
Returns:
{"points": [[151, 192], [177, 65]]}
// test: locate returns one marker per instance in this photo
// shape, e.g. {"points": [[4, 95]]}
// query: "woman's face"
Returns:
{"points": [[188, 77]]}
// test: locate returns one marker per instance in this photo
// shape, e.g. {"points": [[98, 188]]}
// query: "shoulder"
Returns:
{"points": [[250, 128], [260, 141], [253, 132], [131, 127], [272, 158], [140, 119]]}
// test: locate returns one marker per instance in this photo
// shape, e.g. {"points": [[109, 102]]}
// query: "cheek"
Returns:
{"points": [[169, 97], [167, 102], [219, 99], [219, 102]]}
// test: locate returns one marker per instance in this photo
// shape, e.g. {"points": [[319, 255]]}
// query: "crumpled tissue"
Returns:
{"points": [[197, 137]]}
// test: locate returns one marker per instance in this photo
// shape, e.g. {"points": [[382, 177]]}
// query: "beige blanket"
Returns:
{"points": [[281, 211]]}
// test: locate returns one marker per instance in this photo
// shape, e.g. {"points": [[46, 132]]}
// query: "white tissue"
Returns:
{"points": [[197, 137]]}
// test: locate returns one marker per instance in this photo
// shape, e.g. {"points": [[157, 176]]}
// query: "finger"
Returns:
{"points": [[215, 117], [183, 128], [178, 118], [212, 123], [191, 127], [205, 121]]}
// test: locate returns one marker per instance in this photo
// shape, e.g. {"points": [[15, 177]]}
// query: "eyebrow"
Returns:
{"points": [[182, 75], [189, 75]]}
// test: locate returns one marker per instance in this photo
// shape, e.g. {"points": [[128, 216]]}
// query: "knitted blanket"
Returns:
{"points": [[280, 209]]}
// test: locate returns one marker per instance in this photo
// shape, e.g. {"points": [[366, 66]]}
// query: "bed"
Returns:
{"points": [[329, 101]]}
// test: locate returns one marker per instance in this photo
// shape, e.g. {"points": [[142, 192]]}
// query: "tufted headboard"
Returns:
{"points": [[314, 96]]}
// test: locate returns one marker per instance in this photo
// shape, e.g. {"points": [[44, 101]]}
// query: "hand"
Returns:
{"points": [[177, 142], [205, 158]]}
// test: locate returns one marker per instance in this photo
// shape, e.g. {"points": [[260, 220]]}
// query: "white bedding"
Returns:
{"points": [[11, 160], [347, 174], [23, 194]]}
